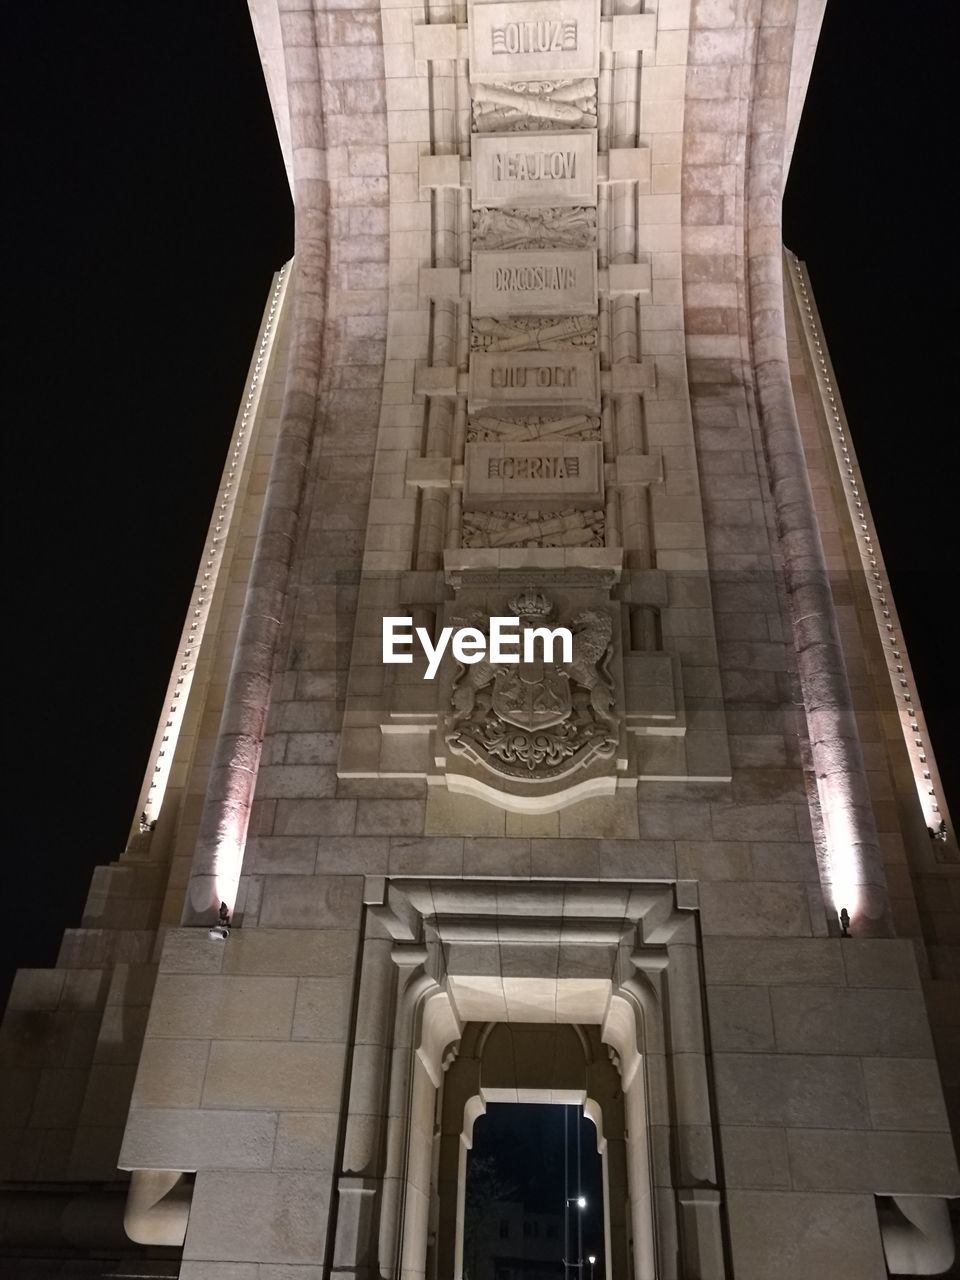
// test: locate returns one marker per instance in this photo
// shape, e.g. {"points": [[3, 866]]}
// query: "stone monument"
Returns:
{"points": [[540, 355]]}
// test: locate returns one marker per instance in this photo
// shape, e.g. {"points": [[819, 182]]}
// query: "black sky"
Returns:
{"points": [[523, 1145], [147, 209]]}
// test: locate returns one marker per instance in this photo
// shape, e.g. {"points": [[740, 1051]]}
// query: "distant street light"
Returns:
{"points": [[591, 1258], [579, 1201]]}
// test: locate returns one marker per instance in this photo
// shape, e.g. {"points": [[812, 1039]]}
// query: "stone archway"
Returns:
{"points": [[618, 958], [562, 1064]]}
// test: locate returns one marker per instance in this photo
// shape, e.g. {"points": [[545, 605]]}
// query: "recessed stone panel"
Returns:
{"points": [[518, 169], [541, 379], [794, 1236], [531, 475], [541, 40], [543, 282]]}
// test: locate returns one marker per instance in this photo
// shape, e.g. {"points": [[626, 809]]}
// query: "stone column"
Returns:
{"points": [[617, 106], [857, 880], [446, 253], [218, 855]]}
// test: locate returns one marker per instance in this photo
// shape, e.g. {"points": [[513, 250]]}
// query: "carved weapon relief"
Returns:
{"points": [[481, 430], [553, 228], [542, 718], [535, 104], [526, 333], [568, 528]]}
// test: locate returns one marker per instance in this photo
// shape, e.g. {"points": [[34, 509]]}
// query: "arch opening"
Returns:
{"points": [[534, 1203], [484, 1000], [554, 1097]]}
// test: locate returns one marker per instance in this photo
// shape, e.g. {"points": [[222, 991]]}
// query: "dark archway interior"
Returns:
{"points": [[529, 1167]]}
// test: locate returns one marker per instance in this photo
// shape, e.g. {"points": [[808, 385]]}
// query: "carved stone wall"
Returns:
{"points": [[646, 844], [554, 429]]}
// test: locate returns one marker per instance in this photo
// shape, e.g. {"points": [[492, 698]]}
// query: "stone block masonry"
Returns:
{"points": [[537, 358]]}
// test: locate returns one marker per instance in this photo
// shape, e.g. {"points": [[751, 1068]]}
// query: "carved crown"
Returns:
{"points": [[531, 604]]}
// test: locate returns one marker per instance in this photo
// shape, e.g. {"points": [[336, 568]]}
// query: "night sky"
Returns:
{"points": [[147, 210], [521, 1150]]}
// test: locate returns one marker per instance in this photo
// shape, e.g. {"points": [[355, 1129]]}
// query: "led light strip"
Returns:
{"points": [[181, 678], [912, 723]]}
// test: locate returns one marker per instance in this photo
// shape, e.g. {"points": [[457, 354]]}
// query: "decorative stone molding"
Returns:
{"points": [[538, 440], [615, 961]]}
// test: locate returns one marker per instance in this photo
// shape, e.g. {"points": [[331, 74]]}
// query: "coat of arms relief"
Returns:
{"points": [[539, 720]]}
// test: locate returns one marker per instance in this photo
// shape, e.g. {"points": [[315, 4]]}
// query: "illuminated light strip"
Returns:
{"points": [[912, 723], [164, 746]]}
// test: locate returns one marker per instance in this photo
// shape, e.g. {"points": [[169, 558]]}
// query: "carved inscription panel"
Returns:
{"points": [[545, 169], [552, 379], [537, 40], [531, 476], [559, 282]]}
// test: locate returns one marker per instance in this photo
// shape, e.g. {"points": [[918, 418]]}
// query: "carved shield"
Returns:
{"points": [[541, 720], [531, 696]]}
